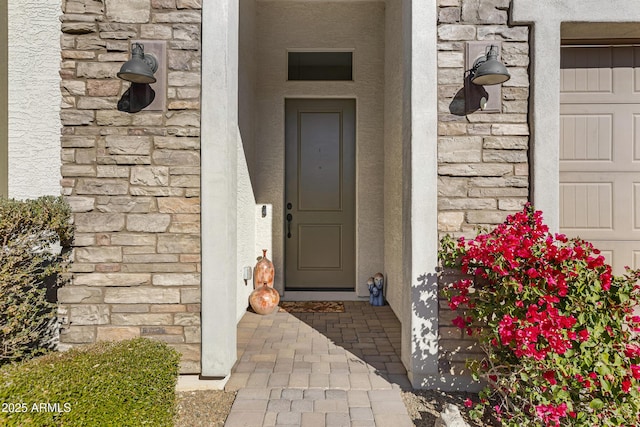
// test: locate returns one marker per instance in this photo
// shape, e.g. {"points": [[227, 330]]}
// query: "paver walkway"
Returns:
{"points": [[319, 369]]}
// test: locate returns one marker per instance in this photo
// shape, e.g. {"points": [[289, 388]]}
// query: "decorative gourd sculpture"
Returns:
{"points": [[263, 273], [264, 300]]}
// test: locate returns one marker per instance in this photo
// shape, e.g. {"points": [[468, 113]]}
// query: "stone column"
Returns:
{"points": [[132, 180], [483, 163]]}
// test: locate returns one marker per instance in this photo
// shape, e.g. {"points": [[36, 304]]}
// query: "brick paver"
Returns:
{"points": [[319, 370]]}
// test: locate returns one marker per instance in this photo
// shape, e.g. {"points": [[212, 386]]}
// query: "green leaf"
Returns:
{"points": [[596, 404], [617, 360], [603, 370], [561, 395], [586, 345]]}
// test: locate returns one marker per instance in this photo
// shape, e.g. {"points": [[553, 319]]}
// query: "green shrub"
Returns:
{"points": [[127, 383], [29, 266], [559, 329]]}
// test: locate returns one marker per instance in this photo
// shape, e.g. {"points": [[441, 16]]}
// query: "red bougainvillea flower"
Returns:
{"points": [[583, 335], [551, 414], [533, 273], [551, 377], [632, 350], [468, 403], [635, 371], [461, 322]]}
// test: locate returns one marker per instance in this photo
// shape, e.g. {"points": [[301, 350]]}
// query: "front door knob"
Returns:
{"points": [[289, 219]]}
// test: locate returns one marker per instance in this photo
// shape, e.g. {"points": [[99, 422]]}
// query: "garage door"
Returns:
{"points": [[600, 150]]}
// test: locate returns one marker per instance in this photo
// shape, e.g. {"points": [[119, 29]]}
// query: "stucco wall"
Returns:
{"points": [[393, 157], [247, 251], [34, 98], [247, 73], [3, 100], [316, 25], [246, 223]]}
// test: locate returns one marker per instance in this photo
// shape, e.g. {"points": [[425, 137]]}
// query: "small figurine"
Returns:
{"points": [[376, 284], [370, 285]]}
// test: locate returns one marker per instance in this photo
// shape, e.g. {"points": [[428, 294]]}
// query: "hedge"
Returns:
{"points": [[30, 265], [127, 383]]}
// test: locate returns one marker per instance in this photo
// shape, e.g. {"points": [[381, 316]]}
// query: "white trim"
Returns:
{"points": [[546, 16]]}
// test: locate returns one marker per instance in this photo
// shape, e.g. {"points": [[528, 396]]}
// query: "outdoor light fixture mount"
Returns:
{"points": [[140, 68], [147, 73], [483, 76], [487, 70]]}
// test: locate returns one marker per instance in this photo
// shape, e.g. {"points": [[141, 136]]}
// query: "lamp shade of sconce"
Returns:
{"points": [[140, 68], [487, 70]]}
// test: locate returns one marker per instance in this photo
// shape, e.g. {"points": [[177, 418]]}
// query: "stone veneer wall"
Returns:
{"points": [[132, 179], [482, 157]]}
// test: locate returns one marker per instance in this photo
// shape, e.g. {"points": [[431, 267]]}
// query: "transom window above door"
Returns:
{"points": [[320, 66]]}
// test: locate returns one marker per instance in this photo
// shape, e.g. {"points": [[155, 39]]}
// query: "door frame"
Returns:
{"points": [[338, 293]]}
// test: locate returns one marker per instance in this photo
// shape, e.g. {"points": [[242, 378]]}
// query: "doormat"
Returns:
{"points": [[311, 307]]}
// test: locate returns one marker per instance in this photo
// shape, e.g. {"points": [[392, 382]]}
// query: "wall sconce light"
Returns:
{"points": [[487, 70], [147, 72], [483, 77], [140, 68]]}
